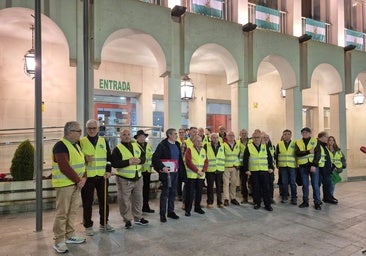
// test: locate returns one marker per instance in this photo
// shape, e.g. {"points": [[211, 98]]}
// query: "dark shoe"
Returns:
{"points": [[318, 207], [128, 224], [293, 202], [269, 208], [162, 218], [284, 201], [303, 205], [244, 201], [273, 201], [235, 202], [148, 210], [187, 214], [330, 201], [220, 205], [199, 210], [180, 198], [226, 202], [335, 199], [257, 206], [173, 215], [142, 222]]}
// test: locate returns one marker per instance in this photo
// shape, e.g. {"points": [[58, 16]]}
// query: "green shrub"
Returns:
{"points": [[22, 165]]}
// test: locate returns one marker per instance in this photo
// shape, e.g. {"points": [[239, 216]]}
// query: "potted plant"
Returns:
{"points": [[22, 165]]}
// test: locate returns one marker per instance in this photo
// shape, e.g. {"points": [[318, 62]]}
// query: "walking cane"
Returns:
{"points": [[105, 205]]}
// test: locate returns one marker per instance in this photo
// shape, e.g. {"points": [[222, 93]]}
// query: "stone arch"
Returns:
{"points": [[203, 57], [329, 76], [139, 40]]}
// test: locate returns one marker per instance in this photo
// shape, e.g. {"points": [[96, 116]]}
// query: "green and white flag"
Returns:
{"points": [[316, 29], [267, 18], [355, 38], [211, 8]]}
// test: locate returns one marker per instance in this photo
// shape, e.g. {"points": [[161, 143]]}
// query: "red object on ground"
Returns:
{"points": [[363, 149]]}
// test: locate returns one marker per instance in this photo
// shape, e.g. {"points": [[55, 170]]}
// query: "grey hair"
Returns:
{"points": [[69, 126], [92, 121], [170, 131]]}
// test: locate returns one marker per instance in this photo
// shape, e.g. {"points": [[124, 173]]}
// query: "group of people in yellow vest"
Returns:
{"points": [[85, 164]]}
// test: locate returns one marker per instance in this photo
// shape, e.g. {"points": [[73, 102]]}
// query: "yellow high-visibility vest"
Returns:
{"points": [[258, 160], [301, 145], [336, 158], [215, 163], [99, 152], [76, 161], [231, 155], [286, 156], [146, 167], [129, 171], [198, 159]]}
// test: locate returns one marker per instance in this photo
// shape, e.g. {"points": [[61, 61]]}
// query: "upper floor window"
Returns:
{"points": [[311, 9], [354, 13], [267, 3]]}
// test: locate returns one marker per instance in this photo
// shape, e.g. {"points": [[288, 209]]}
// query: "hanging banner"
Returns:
{"points": [[267, 18], [211, 8], [316, 29], [355, 38]]}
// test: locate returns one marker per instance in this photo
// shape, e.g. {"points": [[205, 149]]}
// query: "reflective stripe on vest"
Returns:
{"points": [[215, 163], [336, 158], [322, 157], [258, 160], [301, 145], [146, 167], [198, 159], [99, 152], [231, 155], [286, 156], [129, 171], [76, 161], [241, 154]]}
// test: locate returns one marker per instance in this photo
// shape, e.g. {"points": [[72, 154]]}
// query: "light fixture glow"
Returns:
{"points": [[358, 97], [186, 88], [30, 58]]}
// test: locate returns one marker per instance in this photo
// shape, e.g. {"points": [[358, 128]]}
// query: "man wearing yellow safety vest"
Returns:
{"points": [[128, 158], [68, 178], [286, 163], [258, 164], [196, 165], [325, 169], [308, 154], [98, 170], [230, 177], [145, 147], [216, 167]]}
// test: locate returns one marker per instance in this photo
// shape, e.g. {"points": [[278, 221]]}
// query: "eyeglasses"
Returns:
{"points": [[76, 131], [92, 128]]}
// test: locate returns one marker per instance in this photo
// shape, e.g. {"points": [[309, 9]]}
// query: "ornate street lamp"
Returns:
{"points": [[358, 97], [186, 88], [30, 58]]}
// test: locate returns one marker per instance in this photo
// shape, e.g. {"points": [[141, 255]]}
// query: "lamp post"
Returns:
{"points": [[29, 58], [358, 97], [38, 158], [186, 88]]}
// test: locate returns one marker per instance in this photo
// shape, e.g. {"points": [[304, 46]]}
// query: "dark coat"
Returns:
{"points": [[163, 152]]}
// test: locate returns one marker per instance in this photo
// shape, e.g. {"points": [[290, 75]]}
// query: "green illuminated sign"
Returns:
{"points": [[114, 85]]}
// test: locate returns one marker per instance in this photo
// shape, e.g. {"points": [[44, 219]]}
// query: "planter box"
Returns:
{"points": [[20, 196]]}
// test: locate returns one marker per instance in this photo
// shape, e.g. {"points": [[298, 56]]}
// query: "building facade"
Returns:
{"points": [[269, 77]]}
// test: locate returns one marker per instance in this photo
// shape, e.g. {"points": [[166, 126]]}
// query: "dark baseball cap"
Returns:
{"points": [[306, 129]]}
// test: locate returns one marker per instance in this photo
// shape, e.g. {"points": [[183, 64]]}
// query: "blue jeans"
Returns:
{"points": [[288, 177], [305, 173], [168, 193]]}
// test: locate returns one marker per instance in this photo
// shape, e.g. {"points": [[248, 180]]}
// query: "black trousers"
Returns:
{"points": [[261, 187], [146, 188], [244, 184], [194, 189], [87, 196], [214, 178]]}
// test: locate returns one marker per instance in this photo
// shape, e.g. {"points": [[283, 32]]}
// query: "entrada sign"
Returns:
{"points": [[114, 85]]}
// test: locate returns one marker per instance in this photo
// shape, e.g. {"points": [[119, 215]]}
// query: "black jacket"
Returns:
{"points": [[162, 151]]}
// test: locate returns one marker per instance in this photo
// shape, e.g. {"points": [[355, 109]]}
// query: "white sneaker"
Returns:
{"points": [[61, 248], [107, 228], [89, 231], [75, 240]]}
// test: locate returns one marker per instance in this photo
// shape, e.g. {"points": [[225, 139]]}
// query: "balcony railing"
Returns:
{"points": [[355, 38], [320, 31], [267, 18]]}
